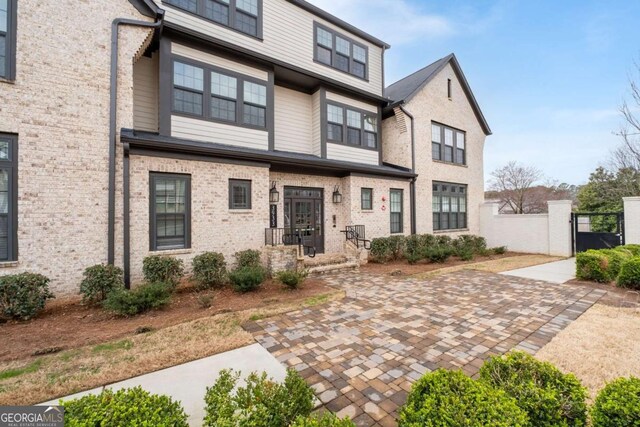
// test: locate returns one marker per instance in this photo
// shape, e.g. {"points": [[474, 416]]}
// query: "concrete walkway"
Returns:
{"points": [[187, 383], [554, 272]]}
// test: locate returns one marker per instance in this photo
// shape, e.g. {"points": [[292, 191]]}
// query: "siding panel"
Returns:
{"points": [[352, 102], [293, 117], [145, 94], [187, 52], [351, 154], [205, 131], [288, 37], [315, 129]]}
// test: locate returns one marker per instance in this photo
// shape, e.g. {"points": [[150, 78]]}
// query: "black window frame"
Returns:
{"points": [[153, 230], [442, 146], [401, 213], [345, 125], [335, 53], [453, 190], [11, 166], [9, 71], [233, 12], [207, 94], [240, 182], [363, 206]]}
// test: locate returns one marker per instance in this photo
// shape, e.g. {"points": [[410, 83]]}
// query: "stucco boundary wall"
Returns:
{"points": [[548, 234]]}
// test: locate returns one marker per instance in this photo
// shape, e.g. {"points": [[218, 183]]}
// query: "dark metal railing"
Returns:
{"points": [[290, 237], [356, 234]]}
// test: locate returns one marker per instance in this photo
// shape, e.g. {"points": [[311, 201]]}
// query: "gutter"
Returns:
{"points": [[113, 95], [412, 184]]}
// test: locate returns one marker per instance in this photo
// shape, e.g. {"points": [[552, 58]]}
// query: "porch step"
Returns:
{"points": [[332, 268], [328, 263]]}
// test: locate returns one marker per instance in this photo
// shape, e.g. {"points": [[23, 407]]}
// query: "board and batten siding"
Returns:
{"points": [[352, 102], [293, 118], [207, 58], [287, 37], [145, 94], [345, 153], [219, 133], [316, 138]]}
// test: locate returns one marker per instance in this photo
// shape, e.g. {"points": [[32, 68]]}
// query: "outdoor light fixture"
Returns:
{"points": [[337, 197], [274, 195]]}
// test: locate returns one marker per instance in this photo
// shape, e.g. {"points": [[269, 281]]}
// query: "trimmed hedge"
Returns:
{"points": [[99, 281], [629, 276], [209, 270], [549, 397], [23, 296], [292, 279], [633, 248], [616, 258], [450, 398], [127, 407], [146, 297], [163, 269], [618, 404], [260, 403], [325, 420], [415, 248], [593, 265]]}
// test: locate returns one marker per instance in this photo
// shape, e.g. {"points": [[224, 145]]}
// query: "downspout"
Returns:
{"points": [[412, 185], [113, 94]]}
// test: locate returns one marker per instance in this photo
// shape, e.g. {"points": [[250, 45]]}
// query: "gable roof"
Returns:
{"points": [[403, 90], [146, 7]]}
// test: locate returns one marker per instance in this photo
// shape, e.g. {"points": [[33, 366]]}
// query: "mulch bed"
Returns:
{"points": [[403, 268], [68, 324]]}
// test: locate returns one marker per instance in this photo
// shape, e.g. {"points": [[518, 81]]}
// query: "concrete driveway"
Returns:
{"points": [[362, 354]]}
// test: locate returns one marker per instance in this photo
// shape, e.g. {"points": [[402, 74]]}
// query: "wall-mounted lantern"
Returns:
{"points": [[274, 195], [337, 197]]}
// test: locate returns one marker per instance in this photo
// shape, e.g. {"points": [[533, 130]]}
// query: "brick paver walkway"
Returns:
{"points": [[362, 353]]}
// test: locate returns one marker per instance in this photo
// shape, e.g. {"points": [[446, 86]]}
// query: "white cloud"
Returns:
{"points": [[394, 21]]}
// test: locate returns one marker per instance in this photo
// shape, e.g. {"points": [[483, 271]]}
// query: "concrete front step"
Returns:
{"points": [[331, 268], [325, 259]]}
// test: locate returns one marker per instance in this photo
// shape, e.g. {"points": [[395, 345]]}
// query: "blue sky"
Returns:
{"points": [[550, 76]]}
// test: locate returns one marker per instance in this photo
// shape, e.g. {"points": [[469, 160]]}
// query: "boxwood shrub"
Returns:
{"points": [[629, 276], [248, 258], [593, 265], [163, 269], [618, 404], [549, 397], [209, 270], [450, 398], [247, 279], [633, 248], [100, 280], [126, 407], [385, 249], [324, 420], [146, 297], [292, 279], [615, 260], [260, 403], [23, 296]]}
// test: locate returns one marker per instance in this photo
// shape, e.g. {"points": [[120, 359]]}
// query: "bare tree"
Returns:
{"points": [[627, 155], [513, 183]]}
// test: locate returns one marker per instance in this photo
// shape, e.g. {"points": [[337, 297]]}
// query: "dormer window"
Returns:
{"points": [[244, 16], [340, 52]]}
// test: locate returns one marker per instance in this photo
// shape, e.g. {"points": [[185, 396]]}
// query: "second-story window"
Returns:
{"points": [[242, 15], [448, 144], [340, 52], [214, 94], [351, 126]]}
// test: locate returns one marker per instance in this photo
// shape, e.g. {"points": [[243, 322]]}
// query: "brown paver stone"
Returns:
{"points": [[389, 331]]}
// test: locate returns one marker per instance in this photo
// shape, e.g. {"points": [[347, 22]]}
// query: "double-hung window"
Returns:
{"points": [[340, 52], [449, 206], [395, 209], [239, 194], [241, 15], [8, 9], [351, 126], [8, 197], [448, 144], [366, 199], [219, 95], [170, 211]]}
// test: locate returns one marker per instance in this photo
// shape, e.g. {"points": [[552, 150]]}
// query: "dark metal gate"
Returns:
{"points": [[597, 230]]}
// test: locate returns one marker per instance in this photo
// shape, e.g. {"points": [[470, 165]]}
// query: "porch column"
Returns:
{"points": [[560, 243], [631, 219]]}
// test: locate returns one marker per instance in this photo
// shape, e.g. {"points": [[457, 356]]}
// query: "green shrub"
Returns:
{"points": [[246, 279], [468, 243], [248, 258], [260, 403], [466, 254], [22, 296], [126, 407], [292, 278], [633, 248], [163, 269], [593, 265], [451, 399], [414, 249], [629, 276], [146, 297], [438, 253], [325, 420], [499, 250], [618, 404], [385, 249], [209, 270], [549, 397], [99, 280], [615, 258], [444, 240]]}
